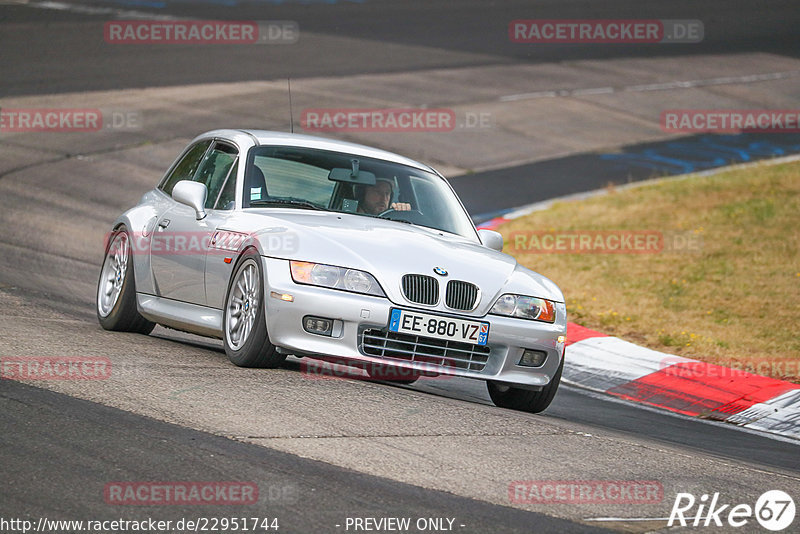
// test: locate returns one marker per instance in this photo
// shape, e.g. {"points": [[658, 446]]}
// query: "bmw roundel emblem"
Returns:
{"points": [[440, 271]]}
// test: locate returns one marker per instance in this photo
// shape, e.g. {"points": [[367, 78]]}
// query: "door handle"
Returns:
{"points": [[163, 223]]}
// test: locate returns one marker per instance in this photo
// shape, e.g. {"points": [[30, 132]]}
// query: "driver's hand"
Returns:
{"points": [[401, 206]]}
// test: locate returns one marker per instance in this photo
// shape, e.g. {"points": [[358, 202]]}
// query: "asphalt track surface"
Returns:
{"points": [[62, 450], [592, 171], [70, 62], [77, 447]]}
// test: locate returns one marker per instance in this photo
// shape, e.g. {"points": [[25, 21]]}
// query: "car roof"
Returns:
{"points": [[267, 137]]}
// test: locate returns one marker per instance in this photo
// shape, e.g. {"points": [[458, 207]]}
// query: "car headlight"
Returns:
{"points": [[333, 277], [524, 307]]}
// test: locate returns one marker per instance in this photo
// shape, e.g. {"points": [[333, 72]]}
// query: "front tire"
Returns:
{"points": [[525, 400], [116, 288], [244, 322]]}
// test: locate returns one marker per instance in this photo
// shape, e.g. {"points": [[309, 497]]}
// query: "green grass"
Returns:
{"points": [[734, 299]]}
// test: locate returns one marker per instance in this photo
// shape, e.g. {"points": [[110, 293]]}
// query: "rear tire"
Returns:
{"points": [[244, 322], [116, 288], [525, 400]]}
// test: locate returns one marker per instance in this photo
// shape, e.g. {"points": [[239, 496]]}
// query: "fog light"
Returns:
{"points": [[318, 325], [532, 358]]}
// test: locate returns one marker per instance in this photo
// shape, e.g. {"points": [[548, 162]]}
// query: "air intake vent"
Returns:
{"points": [[461, 295], [448, 355], [421, 289]]}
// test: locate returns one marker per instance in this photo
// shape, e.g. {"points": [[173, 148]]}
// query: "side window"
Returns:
{"points": [[227, 197], [215, 169], [186, 168]]}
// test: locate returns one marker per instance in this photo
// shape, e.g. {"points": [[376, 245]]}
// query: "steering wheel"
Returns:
{"points": [[392, 210], [412, 216]]}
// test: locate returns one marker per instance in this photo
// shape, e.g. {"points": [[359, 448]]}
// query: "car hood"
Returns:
{"points": [[388, 250]]}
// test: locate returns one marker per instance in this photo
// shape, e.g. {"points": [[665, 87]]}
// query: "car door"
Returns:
{"points": [[180, 241]]}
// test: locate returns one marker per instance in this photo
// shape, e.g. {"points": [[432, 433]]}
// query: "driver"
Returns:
{"points": [[375, 198]]}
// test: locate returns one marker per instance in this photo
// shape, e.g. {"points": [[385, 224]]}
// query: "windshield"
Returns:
{"points": [[302, 178]]}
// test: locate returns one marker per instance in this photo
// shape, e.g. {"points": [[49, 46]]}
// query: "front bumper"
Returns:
{"points": [[508, 337]]}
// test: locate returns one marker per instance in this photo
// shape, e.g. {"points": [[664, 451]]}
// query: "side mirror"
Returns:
{"points": [[491, 239], [193, 194]]}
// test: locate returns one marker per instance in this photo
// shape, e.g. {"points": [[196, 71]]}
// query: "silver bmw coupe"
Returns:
{"points": [[284, 244]]}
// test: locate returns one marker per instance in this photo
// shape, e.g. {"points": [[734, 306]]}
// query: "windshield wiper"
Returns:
{"points": [[286, 202], [395, 220]]}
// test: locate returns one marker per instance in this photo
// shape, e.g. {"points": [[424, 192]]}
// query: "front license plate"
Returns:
{"points": [[436, 326]]}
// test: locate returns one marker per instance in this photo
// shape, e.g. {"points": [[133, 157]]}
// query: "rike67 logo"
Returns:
{"points": [[774, 510]]}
